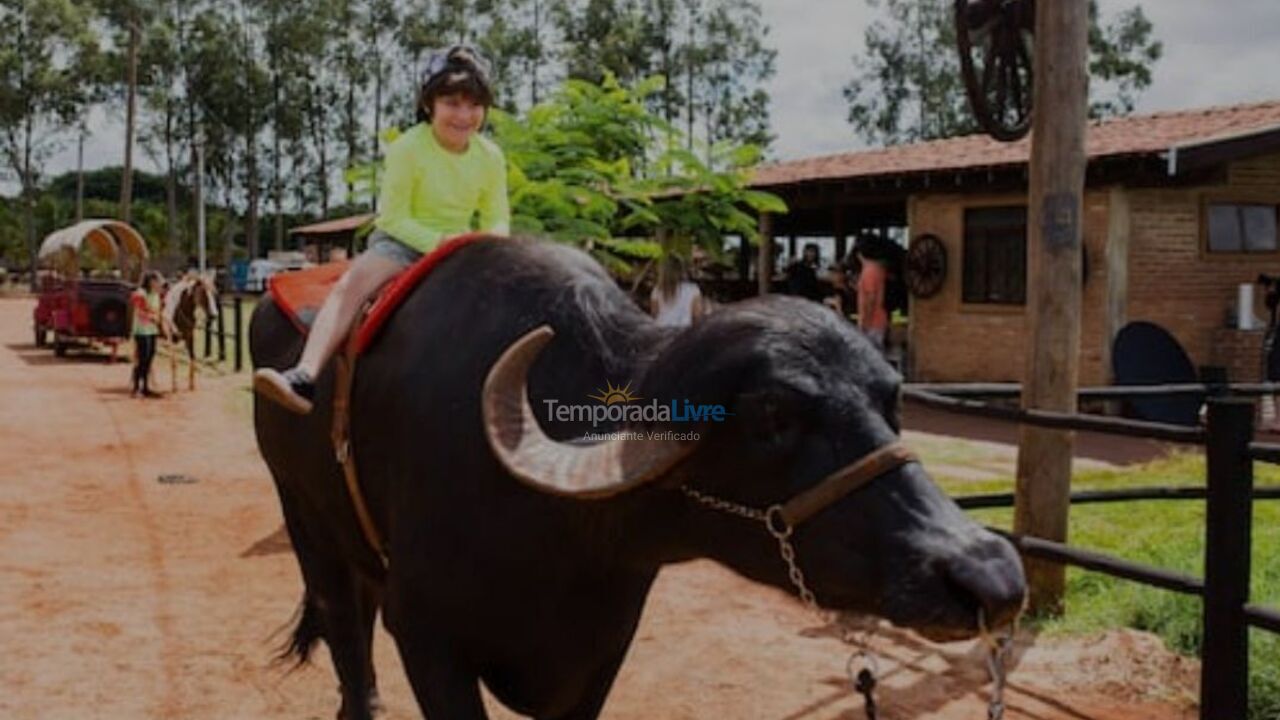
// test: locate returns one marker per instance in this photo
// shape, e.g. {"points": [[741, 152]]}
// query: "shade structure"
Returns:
{"points": [[111, 241]]}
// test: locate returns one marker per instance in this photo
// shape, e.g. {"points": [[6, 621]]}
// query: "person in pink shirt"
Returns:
{"points": [[873, 318]]}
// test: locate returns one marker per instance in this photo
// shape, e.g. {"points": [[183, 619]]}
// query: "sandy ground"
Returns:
{"points": [[122, 596]]}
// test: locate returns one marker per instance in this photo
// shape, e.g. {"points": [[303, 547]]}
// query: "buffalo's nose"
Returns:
{"points": [[989, 570]]}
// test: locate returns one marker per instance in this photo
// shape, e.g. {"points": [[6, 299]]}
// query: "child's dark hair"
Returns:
{"points": [[464, 74], [150, 275]]}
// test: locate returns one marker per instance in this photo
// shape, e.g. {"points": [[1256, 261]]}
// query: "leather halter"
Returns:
{"points": [[844, 481], [780, 520]]}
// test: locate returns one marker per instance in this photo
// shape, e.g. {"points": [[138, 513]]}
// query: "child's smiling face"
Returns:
{"points": [[454, 119]]}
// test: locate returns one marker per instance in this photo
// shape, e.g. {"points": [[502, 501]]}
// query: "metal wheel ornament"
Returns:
{"points": [[926, 266], [994, 38]]}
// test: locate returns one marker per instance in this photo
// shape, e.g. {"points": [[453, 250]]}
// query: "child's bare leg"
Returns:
{"points": [[367, 274]]}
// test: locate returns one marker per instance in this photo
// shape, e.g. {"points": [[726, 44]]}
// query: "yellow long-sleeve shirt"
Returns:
{"points": [[429, 194]]}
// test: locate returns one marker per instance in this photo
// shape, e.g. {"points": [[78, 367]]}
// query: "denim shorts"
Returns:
{"points": [[382, 244]]}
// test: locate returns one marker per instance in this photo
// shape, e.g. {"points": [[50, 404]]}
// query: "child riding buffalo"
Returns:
{"points": [[439, 175]]}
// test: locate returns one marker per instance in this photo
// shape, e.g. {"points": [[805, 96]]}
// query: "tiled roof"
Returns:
{"points": [[1134, 135]]}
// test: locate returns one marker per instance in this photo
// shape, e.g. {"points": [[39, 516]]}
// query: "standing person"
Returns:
{"points": [[147, 325], [439, 175], [873, 318], [676, 300], [802, 275]]}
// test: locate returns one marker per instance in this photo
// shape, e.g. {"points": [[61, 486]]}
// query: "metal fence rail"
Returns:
{"points": [[1089, 497], [1110, 392], [1063, 421], [1228, 495]]}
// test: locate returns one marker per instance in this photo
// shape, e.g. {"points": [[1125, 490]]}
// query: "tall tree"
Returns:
{"points": [[161, 130], [732, 65], [41, 88], [907, 85], [129, 18], [599, 37], [382, 19]]}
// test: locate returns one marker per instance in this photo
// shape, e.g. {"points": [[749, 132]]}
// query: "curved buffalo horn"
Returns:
{"points": [[576, 470]]}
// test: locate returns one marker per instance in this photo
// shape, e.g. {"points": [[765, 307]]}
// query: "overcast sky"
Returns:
{"points": [[1214, 53]]}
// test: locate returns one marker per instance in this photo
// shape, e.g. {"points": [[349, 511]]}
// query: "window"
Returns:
{"points": [[1237, 228], [995, 255]]}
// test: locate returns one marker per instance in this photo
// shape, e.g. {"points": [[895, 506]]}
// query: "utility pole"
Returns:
{"points": [[1054, 233]]}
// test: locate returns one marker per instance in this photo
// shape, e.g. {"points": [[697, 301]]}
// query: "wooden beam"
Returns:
{"points": [[1055, 211], [764, 261], [1117, 265]]}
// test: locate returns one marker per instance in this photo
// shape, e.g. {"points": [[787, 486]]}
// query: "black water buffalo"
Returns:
{"points": [[497, 573]]}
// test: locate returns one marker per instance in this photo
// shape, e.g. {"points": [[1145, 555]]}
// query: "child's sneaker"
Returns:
{"points": [[292, 389]]}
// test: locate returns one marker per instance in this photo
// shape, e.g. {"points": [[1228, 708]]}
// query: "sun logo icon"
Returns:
{"points": [[613, 394]]}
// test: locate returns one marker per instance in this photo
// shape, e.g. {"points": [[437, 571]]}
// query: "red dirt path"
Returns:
{"points": [[125, 597]]}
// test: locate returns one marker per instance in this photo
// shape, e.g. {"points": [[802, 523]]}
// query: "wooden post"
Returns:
{"points": [[1224, 672], [841, 234], [238, 318], [1053, 284], [764, 260]]}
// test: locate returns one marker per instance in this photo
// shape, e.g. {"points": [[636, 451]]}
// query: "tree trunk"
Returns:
{"points": [[277, 189], [126, 178], [170, 178], [320, 138], [197, 201], [352, 142], [688, 100], [251, 154], [537, 52], [1053, 284], [28, 199], [80, 175], [377, 135]]}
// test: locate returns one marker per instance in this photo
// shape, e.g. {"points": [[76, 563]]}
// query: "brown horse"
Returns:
{"points": [[193, 292]]}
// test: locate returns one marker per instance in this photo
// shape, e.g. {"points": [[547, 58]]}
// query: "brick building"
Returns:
{"points": [[1179, 209]]}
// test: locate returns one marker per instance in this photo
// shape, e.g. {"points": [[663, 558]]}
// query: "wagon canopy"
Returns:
{"points": [[105, 241]]}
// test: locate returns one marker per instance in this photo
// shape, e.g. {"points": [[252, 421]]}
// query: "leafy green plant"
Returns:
{"points": [[595, 167]]}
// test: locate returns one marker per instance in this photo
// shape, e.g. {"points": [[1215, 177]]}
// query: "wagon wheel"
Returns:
{"points": [[926, 266], [994, 38]]}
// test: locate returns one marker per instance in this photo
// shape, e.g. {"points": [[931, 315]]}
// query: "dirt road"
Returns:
{"points": [[122, 596]]}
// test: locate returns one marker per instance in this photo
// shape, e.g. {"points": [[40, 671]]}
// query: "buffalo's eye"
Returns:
{"points": [[772, 418]]}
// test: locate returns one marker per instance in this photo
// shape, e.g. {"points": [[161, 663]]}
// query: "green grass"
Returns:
{"points": [[1167, 534]]}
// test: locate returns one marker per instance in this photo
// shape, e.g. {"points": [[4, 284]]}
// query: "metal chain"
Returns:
{"points": [[776, 525], [864, 682], [716, 503], [998, 647]]}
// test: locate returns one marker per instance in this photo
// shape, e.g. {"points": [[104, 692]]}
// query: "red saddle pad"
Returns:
{"points": [[300, 294]]}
